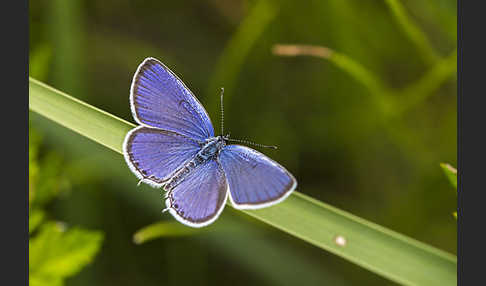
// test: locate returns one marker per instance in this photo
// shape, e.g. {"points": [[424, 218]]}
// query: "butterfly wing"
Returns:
{"points": [[254, 180], [154, 155], [199, 199], [158, 98]]}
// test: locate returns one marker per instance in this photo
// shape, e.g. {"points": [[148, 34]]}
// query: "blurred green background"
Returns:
{"points": [[334, 135]]}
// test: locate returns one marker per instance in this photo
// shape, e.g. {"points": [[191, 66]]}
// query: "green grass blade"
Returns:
{"points": [[390, 104], [238, 47], [390, 254], [378, 90], [385, 252], [417, 92], [161, 229], [89, 121], [451, 173], [416, 35], [68, 58]]}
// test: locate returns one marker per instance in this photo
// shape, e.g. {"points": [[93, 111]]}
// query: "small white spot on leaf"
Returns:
{"points": [[340, 240]]}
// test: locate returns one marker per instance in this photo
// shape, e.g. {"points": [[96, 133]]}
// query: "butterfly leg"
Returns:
{"points": [[147, 178], [165, 197]]}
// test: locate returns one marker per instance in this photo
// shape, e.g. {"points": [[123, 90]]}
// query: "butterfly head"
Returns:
{"points": [[222, 140], [225, 138], [212, 146]]}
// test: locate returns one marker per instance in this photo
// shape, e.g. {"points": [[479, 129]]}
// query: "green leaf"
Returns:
{"points": [[451, 173], [56, 253], [45, 281], [33, 163], [46, 179], [35, 219], [51, 180], [383, 251]]}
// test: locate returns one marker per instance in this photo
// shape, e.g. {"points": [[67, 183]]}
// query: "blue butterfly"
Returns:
{"points": [[175, 148]]}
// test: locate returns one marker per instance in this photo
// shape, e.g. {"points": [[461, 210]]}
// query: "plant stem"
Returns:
{"points": [[416, 35]]}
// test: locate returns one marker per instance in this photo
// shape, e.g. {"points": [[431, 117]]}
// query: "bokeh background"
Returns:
{"points": [[370, 149]]}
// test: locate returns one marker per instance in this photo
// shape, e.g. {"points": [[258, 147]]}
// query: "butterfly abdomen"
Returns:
{"points": [[179, 175]]}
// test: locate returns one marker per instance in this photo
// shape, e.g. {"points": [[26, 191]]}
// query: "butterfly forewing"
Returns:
{"points": [[154, 154], [200, 197], [254, 180], [160, 99]]}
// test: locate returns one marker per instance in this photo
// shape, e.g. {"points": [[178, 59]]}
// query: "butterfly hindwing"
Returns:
{"points": [[159, 99], [154, 154], [254, 180], [200, 197]]}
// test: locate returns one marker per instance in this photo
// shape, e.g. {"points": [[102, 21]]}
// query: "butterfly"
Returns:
{"points": [[175, 148]]}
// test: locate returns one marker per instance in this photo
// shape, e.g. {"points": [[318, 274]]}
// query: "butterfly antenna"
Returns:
{"points": [[222, 112], [237, 140], [251, 143]]}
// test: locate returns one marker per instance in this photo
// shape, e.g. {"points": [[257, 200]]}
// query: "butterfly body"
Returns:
{"points": [[213, 146], [209, 151], [175, 148]]}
